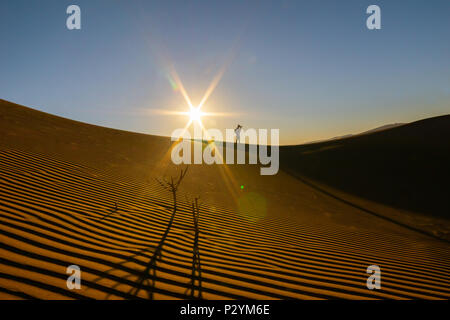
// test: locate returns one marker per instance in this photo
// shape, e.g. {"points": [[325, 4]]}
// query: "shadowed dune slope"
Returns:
{"points": [[73, 193], [405, 167]]}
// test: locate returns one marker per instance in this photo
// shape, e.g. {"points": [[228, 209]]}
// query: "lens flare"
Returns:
{"points": [[252, 206], [195, 114]]}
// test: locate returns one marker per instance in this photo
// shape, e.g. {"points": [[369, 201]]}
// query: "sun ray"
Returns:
{"points": [[230, 56], [212, 86], [165, 159], [175, 76]]}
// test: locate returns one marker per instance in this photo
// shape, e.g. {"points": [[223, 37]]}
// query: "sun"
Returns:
{"points": [[195, 114]]}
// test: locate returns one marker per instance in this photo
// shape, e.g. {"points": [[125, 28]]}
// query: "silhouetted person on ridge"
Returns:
{"points": [[237, 132]]}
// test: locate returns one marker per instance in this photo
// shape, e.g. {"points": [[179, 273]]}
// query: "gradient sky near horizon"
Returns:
{"points": [[310, 68]]}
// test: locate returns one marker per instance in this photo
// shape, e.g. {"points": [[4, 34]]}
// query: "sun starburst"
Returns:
{"points": [[195, 114]]}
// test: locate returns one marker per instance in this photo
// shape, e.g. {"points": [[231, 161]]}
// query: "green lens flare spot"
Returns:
{"points": [[252, 206], [242, 186]]}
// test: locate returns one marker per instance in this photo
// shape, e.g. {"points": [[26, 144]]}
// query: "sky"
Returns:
{"points": [[311, 69]]}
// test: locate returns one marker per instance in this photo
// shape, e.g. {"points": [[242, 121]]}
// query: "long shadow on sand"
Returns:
{"points": [[373, 213]]}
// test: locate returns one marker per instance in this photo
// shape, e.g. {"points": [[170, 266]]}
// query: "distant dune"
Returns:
{"points": [[381, 128], [385, 127], [74, 193]]}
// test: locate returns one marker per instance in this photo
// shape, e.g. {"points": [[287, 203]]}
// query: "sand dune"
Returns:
{"points": [[73, 193], [404, 167]]}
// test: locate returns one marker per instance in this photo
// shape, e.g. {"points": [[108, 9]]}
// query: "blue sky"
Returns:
{"points": [[310, 68]]}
